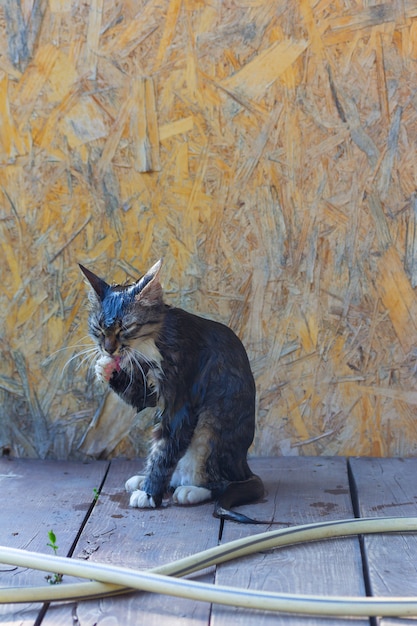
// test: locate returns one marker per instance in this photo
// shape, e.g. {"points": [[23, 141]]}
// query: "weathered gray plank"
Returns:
{"points": [[137, 538], [38, 496], [300, 490], [386, 488]]}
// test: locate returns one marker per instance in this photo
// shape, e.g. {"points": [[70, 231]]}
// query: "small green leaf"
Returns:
{"points": [[52, 541], [52, 536]]}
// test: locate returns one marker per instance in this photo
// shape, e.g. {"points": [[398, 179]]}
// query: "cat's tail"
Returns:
{"points": [[236, 493]]}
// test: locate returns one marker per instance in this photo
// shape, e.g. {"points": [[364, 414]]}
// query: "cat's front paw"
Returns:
{"points": [[141, 500], [105, 367], [133, 483]]}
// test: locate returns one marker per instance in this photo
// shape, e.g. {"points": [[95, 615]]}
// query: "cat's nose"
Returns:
{"points": [[110, 345]]}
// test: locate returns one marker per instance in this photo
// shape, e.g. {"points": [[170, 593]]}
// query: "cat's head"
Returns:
{"points": [[123, 315]]}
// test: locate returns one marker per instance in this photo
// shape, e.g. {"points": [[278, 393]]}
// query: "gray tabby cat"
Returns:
{"points": [[196, 374]]}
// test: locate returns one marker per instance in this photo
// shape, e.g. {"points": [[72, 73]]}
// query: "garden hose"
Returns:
{"points": [[113, 580]]}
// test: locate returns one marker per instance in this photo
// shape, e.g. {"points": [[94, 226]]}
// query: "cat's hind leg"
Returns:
{"points": [[190, 494]]}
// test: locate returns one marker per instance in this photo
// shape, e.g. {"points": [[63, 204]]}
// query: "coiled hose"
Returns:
{"points": [[113, 580]]}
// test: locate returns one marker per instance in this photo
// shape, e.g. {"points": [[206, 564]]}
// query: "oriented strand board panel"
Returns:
{"points": [[265, 149]]}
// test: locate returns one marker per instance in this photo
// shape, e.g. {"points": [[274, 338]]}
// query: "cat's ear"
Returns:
{"points": [[100, 286], [149, 288]]}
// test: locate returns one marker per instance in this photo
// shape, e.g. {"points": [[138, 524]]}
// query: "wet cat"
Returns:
{"points": [[196, 374]]}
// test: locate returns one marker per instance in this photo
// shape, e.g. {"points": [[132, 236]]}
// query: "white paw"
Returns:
{"points": [[135, 482], [140, 500], [189, 494], [105, 366]]}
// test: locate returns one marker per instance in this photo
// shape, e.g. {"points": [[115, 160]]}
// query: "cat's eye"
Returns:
{"points": [[96, 330], [128, 332]]}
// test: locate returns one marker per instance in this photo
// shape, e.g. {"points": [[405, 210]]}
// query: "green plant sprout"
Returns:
{"points": [[52, 541], [56, 578], [96, 494]]}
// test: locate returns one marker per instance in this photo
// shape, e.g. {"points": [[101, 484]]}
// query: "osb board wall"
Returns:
{"points": [[267, 150]]}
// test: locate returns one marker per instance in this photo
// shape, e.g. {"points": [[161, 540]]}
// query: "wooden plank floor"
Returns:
{"points": [[37, 496]]}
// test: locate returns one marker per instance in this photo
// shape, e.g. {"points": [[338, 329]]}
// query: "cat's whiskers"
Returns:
{"points": [[149, 361], [70, 347], [92, 357], [154, 367], [125, 353], [88, 354], [133, 360]]}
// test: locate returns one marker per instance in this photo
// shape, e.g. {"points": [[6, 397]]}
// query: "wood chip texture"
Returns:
{"points": [[267, 150]]}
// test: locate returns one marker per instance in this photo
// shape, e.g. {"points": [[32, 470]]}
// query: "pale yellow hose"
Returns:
{"points": [[113, 580]]}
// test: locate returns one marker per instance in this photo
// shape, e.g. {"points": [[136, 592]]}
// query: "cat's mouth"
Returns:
{"points": [[114, 360], [122, 361]]}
